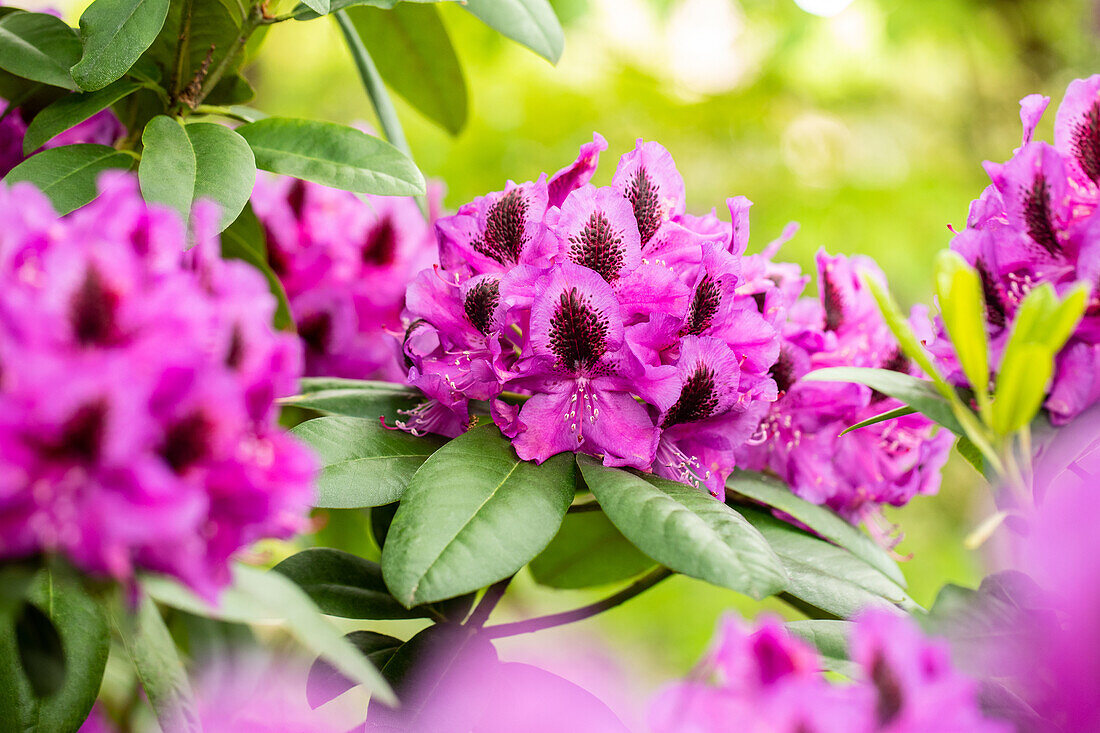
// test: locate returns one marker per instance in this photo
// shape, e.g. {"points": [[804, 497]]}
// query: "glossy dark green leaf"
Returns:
{"points": [[68, 175], [115, 33], [413, 52], [473, 514], [231, 91], [256, 596], [344, 585], [825, 576], [325, 682], [184, 164], [71, 110], [40, 652], [355, 398], [530, 22], [822, 520], [15, 581], [215, 24], [159, 668], [84, 639], [363, 463], [332, 155], [244, 239], [686, 530], [588, 550], [40, 47], [919, 394]]}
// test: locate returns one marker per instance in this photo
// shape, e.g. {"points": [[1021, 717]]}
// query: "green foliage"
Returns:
{"points": [[959, 291], [473, 514], [363, 463], [332, 155], [60, 603], [71, 110], [530, 22], [325, 682], [39, 47], [114, 34], [68, 175], [685, 530], [355, 398], [587, 551]]}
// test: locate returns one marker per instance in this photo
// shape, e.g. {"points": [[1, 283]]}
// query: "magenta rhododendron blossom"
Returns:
{"points": [[1038, 223], [799, 439], [102, 128], [137, 392], [345, 261], [764, 680], [602, 320]]}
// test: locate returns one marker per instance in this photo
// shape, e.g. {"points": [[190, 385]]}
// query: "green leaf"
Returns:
{"points": [[39, 47], [825, 576], [830, 637], [413, 52], [530, 22], [184, 164], [321, 7], [970, 452], [588, 550], [15, 580], [344, 585], [115, 33], [325, 682], [244, 240], [40, 651], [686, 530], [355, 398], [305, 12], [919, 394], [959, 291], [159, 668], [67, 175], [1044, 319], [85, 640], [215, 25], [256, 596], [71, 110], [822, 520], [882, 417], [1021, 386], [473, 514], [332, 155], [364, 464]]}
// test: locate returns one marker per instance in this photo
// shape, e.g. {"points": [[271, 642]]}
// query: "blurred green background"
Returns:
{"points": [[867, 125]]}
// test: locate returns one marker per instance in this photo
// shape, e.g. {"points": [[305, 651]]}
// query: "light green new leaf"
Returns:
{"points": [[159, 668], [184, 164], [881, 417], [413, 52], [71, 110], [363, 463], [959, 288], [473, 514], [68, 175], [40, 47], [588, 550], [332, 155], [115, 33], [530, 22], [686, 530], [256, 596], [919, 394], [1021, 386], [828, 524]]}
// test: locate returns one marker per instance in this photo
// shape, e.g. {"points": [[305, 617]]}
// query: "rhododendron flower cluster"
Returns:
{"points": [[1037, 223], [345, 261], [764, 680], [800, 438], [102, 128], [602, 320], [137, 387]]}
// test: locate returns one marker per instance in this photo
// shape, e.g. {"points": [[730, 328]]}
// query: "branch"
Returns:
{"points": [[579, 614], [488, 602]]}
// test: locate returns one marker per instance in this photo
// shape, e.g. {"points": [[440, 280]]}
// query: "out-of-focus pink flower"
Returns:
{"points": [[102, 128], [345, 261], [766, 681], [137, 387]]}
